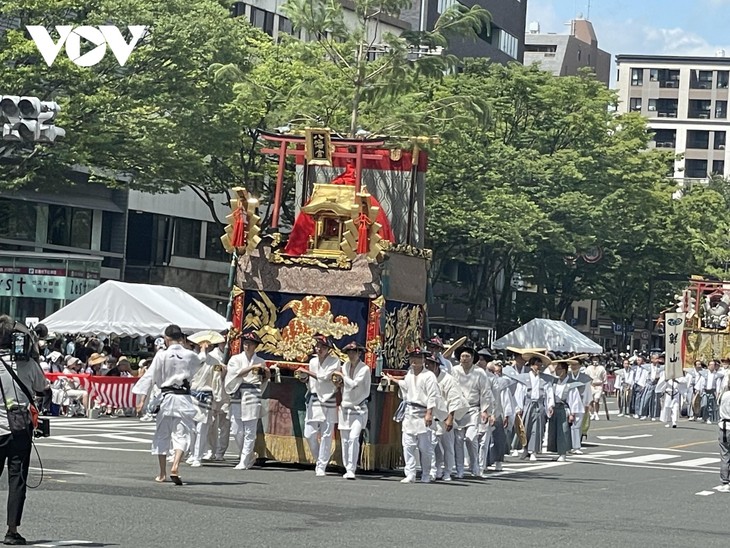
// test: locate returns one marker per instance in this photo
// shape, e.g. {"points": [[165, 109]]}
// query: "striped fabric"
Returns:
{"points": [[108, 391]]}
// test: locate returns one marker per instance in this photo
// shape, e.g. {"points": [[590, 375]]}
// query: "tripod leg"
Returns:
{"points": [[605, 406]]}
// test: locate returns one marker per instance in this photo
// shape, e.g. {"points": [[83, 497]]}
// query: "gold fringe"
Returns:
{"points": [[290, 449]]}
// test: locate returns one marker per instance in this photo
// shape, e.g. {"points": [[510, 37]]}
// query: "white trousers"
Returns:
{"points": [[422, 443], [244, 432], [350, 440], [670, 413], [200, 444], [484, 441], [443, 461], [219, 434], [172, 432], [319, 438], [575, 431], [468, 436]]}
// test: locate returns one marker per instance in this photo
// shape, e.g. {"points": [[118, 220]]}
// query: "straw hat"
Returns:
{"points": [[527, 356]]}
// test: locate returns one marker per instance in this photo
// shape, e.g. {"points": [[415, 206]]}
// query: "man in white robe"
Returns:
{"points": [[597, 373], [539, 403], [641, 377], [567, 404], [420, 393], [581, 416], [451, 405], [693, 396], [476, 389], [246, 379], [322, 405], [355, 378], [219, 432], [172, 370]]}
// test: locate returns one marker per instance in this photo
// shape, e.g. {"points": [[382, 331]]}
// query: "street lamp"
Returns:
{"points": [[29, 119]]}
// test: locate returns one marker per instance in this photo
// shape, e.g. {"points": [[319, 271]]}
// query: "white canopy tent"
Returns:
{"points": [[554, 335], [126, 309]]}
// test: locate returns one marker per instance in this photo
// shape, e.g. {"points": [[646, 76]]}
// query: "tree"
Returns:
{"points": [[552, 173], [159, 123]]}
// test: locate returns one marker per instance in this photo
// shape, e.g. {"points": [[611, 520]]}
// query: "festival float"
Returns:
{"points": [[700, 327], [353, 267]]}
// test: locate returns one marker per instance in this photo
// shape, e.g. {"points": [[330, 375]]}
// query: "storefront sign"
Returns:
{"points": [[45, 283]]}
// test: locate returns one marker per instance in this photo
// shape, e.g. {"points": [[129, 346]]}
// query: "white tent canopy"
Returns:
{"points": [[554, 335], [126, 309]]}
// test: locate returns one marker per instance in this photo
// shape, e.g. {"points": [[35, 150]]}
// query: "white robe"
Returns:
{"points": [[422, 391], [477, 390], [245, 390], [322, 405], [355, 393], [171, 367]]}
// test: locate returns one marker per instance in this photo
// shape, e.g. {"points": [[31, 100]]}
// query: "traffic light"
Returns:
{"points": [[29, 119]]}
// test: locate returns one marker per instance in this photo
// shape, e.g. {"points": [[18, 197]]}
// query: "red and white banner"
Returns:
{"points": [[109, 391]]}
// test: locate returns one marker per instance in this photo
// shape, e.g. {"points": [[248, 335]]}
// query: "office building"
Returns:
{"points": [[685, 100], [567, 54], [505, 42]]}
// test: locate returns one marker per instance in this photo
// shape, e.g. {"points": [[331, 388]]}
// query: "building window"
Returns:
{"points": [[635, 104], [652, 105], [17, 220], [214, 250], [719, 141], [696, 169], [508, 43], [445, 4], [238, 9], [665, 108], [700, 79], [69, 226], [718, 167], [653, 75], [723, 77], [699, 108], [668, 78], [286, 27], [720, 109], [263, 19], [698, 139], [541, 48], [665, 138], [187, 238], [637, 77]]}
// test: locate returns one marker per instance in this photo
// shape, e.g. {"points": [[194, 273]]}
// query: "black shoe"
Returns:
{"points": [[13, 539]]}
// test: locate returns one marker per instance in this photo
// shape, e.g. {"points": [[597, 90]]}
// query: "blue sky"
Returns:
{"points": [[659, 27]]}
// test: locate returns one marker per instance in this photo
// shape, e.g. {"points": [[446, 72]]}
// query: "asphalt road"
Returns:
{"points": [[641, 485]]}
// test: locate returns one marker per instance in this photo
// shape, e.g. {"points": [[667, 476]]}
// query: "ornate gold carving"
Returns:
{"points": [[408, 250], [339, 261], [294, 342]]}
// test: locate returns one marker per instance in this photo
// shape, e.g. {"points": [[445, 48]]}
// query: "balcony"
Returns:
{"points": [[667, 113], [668, 83]]}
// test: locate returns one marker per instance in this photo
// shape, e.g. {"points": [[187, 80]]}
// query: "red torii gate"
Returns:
{"points": [[282, 151]]}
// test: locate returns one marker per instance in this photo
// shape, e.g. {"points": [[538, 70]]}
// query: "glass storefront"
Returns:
{"points": [[35, 285]]}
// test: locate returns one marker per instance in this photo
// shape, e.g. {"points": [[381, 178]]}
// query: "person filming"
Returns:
{"points": [[16, 427]]}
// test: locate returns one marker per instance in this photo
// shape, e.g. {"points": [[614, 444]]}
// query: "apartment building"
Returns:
{"points": [[567, 54], [504, 43], [685, 100], [266, 15]]}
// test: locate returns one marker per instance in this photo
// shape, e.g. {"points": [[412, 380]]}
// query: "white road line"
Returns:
{"points": [[697, 462], [120, 437], [507, 471], [53, 471], [609, 453], [658, 466], [99, 448], [70, 439], [645, 448], [705, 493], [646, 459]]}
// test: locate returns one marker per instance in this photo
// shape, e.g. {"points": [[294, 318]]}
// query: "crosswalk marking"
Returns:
{"points": [[697, 462], [71, 439], [122, 438], [610, 453], [705, 493], [644, 459]]}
